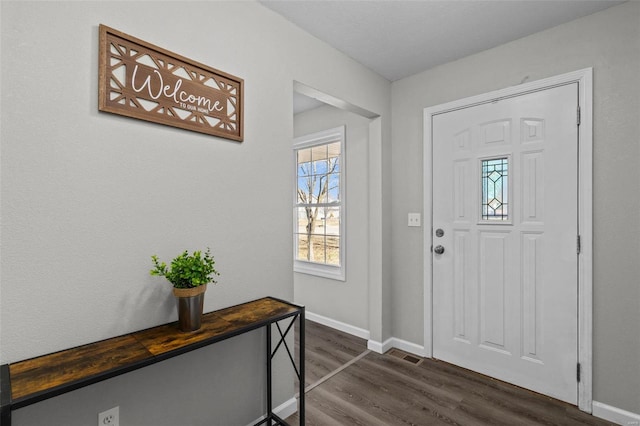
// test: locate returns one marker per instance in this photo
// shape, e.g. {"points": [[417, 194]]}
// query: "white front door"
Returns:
{"points": [[505, 197]]}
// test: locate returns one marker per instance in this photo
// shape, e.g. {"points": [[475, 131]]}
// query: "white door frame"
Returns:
{"points": [[584, 78]]}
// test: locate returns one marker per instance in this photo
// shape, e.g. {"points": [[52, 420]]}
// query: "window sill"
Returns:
{"points": [[323, 271]]}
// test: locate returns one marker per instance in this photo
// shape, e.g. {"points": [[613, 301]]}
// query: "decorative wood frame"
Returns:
{"points": [[140, 80]]}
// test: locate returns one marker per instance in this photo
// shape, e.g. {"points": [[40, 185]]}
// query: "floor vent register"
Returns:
{"points": [[405, 356]]}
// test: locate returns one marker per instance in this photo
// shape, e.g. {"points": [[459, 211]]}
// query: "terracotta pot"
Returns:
{"points": [[190, 302]]}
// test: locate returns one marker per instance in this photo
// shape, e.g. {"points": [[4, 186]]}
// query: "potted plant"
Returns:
{"points": [[189, 274]]}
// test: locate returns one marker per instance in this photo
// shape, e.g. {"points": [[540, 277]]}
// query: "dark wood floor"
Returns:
{"points": [[385, 389]]}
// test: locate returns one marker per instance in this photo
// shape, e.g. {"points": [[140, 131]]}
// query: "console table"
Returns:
{"points": [[27, 382]]}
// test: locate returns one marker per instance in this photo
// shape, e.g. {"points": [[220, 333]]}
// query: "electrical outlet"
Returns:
{"points": [[110, 417], [414, 219]]}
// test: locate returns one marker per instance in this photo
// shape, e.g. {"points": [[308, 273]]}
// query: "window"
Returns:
{"points": [[495, 190], [319, 204]]}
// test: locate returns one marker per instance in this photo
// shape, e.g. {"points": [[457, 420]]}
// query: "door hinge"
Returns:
{"points": [[578, 245], [578, 116], [578, 372]]}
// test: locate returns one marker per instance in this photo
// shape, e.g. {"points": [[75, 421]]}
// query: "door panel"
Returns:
{"points": [[505, 195]]}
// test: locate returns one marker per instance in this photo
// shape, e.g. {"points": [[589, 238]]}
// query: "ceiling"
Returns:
{"points": [[399, 38]]}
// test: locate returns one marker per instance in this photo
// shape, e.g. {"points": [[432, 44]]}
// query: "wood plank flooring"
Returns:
{"points": [[327, 349], [387, 390]]}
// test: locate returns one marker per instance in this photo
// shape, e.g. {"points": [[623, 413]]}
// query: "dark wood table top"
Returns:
{"points": [[49, 375]]}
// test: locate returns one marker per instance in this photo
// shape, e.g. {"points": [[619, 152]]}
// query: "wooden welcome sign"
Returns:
{"points": [[140, 80]]}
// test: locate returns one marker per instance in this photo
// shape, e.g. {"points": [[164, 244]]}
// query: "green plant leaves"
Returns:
{"points": [[187, 271]]}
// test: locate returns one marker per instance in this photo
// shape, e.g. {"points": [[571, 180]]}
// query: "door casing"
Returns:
{"points": [[584, 78]]}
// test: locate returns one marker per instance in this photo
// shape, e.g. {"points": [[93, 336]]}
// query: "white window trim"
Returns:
{"points": [[311, 268]]}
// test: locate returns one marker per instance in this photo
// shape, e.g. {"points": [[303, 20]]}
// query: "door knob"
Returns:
{"points": [[438, 249]]}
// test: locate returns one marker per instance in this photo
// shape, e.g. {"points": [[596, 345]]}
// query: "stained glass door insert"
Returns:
{"points": [[495, 189]]}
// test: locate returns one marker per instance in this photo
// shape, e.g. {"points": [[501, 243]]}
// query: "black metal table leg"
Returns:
{"points": [[269, 381], [5, 395], [301, 397], [271, 418]]}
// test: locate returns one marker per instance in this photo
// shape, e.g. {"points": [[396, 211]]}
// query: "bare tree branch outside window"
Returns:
{"points": [[318, 204]]}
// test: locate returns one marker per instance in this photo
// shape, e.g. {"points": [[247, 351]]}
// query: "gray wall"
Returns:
{"points": [[87, 197], [609, 42], [346, 301]]}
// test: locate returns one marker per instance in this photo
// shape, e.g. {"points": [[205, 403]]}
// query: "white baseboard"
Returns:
{"points": [[338, 325], [409, 347], [394, 342], [379, 347], [615, 415], [287, 408], [283, 410]]}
